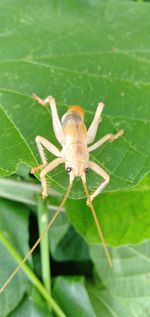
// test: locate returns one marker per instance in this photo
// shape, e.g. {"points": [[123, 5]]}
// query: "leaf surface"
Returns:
{"points": [[127, 282], [14, 225], [29, 307], [72, 296]]}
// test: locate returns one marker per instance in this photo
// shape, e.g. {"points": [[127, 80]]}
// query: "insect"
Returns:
{"points": [[76, 144]]}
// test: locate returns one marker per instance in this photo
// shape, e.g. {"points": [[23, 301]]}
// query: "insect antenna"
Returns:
{"points": [[97, 224], [38, 240]]}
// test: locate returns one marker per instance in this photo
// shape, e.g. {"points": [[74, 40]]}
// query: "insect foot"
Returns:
{"points": [[89, 200], [38, 99], [36, 168], [117, 135], [43, 102], [44, 194], [100, 108]]}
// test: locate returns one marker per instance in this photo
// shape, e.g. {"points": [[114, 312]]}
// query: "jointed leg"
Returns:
{"points": [[57, 127], [94, 125], [97, 169], [40, 141], [45, 171], [107, 137]]}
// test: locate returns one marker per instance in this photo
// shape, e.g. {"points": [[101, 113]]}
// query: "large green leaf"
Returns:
{"points": [[72, 296], [126, 286], [65, 243], [106, 304], [80, 52], [14, 225], [29, 308]]}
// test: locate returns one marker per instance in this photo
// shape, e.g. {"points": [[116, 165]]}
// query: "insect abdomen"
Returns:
{"points": [[73, 125]]}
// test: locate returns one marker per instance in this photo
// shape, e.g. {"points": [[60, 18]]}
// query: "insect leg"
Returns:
{"points": [[42, 142], [45, 171], [107, 137], [91, 133], [57, 127], [97, 169], [96, 221]]}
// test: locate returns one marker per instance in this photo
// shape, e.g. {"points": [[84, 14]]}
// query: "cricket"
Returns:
{"points": [[77, 142]]}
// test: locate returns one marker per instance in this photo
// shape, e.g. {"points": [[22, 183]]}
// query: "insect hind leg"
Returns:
{"points": [[97, 169], [42, 142]]}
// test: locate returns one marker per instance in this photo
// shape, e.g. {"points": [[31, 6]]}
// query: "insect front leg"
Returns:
{"points": [[42, 142], [57, 127], [45, 171], [107, 137], [91, 133], [97, 169]]}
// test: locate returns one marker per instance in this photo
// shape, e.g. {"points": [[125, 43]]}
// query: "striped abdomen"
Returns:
{"points": [[75, 148], [73, 125]]}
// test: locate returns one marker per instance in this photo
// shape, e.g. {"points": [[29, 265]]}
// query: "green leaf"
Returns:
{"points": [[106, 304], [69, 246], [29, 308], [126, 286], [87, 299], [14, 224], [80, 52], [72, 296], [123, 215], [122, 290]]}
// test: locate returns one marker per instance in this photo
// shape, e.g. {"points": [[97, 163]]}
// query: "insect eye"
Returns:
{"points": [[86, 169], [68, 169]]}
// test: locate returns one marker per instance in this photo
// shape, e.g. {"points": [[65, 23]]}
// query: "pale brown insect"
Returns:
{"points": [[74, 138]]}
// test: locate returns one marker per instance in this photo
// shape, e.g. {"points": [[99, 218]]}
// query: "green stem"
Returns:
{"points": [[44, 244], [32, 277]]}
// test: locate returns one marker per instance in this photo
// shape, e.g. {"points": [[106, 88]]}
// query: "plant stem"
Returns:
{"points": [[32, 277], [44, 244]]}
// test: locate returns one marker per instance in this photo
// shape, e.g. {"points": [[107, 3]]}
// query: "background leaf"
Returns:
{"points": [[72, 296], [14, 224], [65, 243], [30, 308], [127, 283]]}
